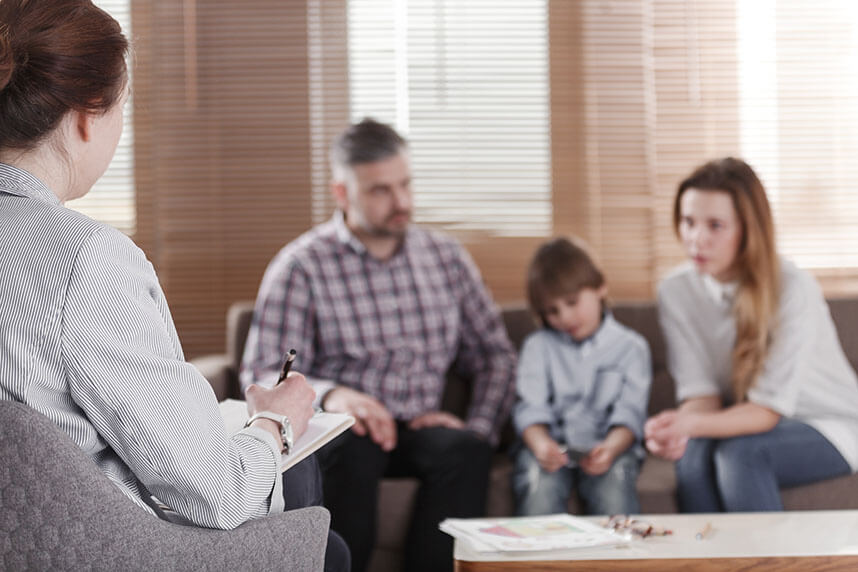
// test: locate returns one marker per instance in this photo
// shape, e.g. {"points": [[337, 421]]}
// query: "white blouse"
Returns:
{"points": [[806, 375]]}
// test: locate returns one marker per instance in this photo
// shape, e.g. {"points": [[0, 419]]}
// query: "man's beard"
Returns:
{"points": [[386, 231]]}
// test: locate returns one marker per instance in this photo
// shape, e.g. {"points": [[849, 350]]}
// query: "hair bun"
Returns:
{"points": [[7, 58]]}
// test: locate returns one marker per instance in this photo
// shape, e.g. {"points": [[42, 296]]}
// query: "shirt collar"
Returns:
{"points": [[21, 183], [722, 293], [600, 337], [344, 235], [347, 238]]}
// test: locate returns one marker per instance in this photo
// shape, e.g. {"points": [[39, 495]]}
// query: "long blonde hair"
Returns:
{"points": [[757, 265]]}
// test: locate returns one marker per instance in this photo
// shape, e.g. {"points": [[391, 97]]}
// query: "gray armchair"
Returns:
{"points": [[58, 511]]}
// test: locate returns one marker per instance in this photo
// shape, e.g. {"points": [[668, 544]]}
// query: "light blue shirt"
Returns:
{"points": [[587, 387]]}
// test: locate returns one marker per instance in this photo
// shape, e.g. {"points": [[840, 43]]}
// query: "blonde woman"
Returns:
{"points": [[767, 397]]}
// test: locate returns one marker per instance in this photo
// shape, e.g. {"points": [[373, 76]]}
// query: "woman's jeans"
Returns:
{"points": [[746, 473], [539, 492]]}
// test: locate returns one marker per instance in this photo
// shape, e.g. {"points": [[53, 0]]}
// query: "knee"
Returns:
{"points": [[359, 457], [536, 491], [739, 453], [465, 449], [337, 555], [623, 474], [614, 491], [527, 474], [697, 459]]}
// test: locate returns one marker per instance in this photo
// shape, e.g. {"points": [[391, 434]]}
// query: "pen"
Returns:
{"points": [[287, 364], [701, 534]]}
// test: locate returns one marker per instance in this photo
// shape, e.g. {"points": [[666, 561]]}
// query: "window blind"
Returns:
{"points": [[111, 199], [581, 117], [667, 85], [222, 150], [467, 84]]}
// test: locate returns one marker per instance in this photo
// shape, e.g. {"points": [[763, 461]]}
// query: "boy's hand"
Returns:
{"points": [[598, 460], [550, 456], [546, 450], [602, 456]]}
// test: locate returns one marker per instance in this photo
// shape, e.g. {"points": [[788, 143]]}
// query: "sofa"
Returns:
{"points": [[656, 484]]}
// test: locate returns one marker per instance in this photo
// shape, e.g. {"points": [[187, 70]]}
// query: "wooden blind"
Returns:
{"points": [[223, 148], [669, 84], [111, 199], [467, 84], [607, 104]]}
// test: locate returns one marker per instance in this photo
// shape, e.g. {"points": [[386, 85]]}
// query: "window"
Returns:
{"points": [[467, 84], [799, 122], [667, 85], [111, 199]]}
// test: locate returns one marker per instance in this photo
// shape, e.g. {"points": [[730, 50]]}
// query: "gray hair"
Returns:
{"points": [[365, 142]]}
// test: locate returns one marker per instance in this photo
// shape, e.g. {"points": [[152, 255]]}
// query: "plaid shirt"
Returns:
{"points": [[391, 329]]}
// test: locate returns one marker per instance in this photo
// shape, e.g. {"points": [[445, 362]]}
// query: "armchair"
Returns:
{"points": [[58, 511]]}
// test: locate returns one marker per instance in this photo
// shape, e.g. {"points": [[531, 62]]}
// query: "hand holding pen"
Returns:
{"points": [[293, 398]]}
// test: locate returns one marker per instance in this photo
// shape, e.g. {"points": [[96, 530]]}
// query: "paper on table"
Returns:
{"points": [[550, 532], [322, 428]]}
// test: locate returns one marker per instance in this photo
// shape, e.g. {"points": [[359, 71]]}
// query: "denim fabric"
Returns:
{"points": [[746, 473], [539, 492]]}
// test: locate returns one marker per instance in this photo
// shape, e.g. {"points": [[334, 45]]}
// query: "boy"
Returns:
{"points": [[583, 384]]}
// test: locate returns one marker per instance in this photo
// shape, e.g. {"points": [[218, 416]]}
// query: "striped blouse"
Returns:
{"points": [[86, 339]]}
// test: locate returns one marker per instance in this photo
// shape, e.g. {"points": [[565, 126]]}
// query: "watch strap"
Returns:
{"points": [[282, 421]]}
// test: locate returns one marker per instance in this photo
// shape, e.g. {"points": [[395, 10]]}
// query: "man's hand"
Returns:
{"points": [[371, 416], [436, 419], [292, 397]]}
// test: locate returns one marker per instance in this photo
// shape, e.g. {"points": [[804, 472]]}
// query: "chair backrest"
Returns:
{"points": [[238, 320], [59, 511]]}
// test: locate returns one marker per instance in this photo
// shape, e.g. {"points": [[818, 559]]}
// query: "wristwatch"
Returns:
{"points": [[285, 427]]}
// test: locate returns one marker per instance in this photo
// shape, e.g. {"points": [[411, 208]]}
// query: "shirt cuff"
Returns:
{"points": [[524, 419], [628, 419], [483, 428], [276, 503]]}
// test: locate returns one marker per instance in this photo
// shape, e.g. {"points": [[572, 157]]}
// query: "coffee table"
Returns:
{"points": [[795, 540]]}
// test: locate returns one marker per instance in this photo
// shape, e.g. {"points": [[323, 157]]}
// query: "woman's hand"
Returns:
{"points": [[667, 433]]}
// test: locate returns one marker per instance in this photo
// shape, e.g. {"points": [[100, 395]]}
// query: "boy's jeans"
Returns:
{"points": [[539, 492]]}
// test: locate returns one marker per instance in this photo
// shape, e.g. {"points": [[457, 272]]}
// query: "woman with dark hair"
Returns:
{"points": [[767, 397], [87, 338]]}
